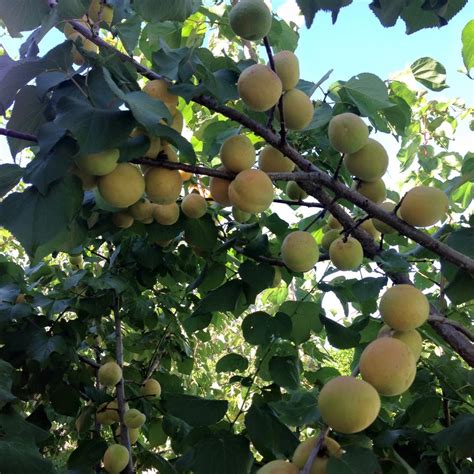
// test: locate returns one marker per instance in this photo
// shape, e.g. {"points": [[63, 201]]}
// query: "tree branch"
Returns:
{"points": [[19, 135]]}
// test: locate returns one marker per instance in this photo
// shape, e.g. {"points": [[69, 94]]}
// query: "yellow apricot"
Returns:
{"points": [[251, 191], [346, 255], [109, 374], [368, 226], [178, 121], [279, 467], [411, 338], [106, 12], [288, 69], [123, 187], [381, 226], [194, 206], [155, 143], [297, 109], [369, 163], [219, 189], [158, 89], [163, 186], [259, 87], [374, 191], [133, 434], [347, 133], [122, 219], [142, 210], [88, 181], [85, 44], [424, 206], [134, 418], [170, 153], [299, 251], [388, 365], [237, 153], [116, 458], [166, 214], [404, 307], [330, 448], [272, 160], [151, 388], [348, 405]]}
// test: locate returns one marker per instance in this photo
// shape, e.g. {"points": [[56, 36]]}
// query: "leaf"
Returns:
{"points": [[220, 453], [27, 116], [285, 371], [65, 400], [19, 450], [224, 298], [201, 233], [129, 32], [41, 346], [232, 363], [268, 434], [392, 261], [72, 8], [299, 409], [304, 318], [459, 435], [423, 411], [195, 411], [163, 10], [6, 372], [87, 454], [355, 460], [83, 121], [37, 220], [339, 336], [22, 15], [368, 92], [10, 176], [260, 328], [388, 11], [430, 73], [468, 45], [309, 8]]}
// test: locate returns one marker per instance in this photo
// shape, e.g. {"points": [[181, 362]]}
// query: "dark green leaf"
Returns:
{"points": [[10, 176], [129, 32], [430, 73], [285, 371], [388, 11], [201, 233], [163, 10], [195, 411], [232, 363], [268, 434], [459, 435], [304, 318], [22, 15], [392, 261], [260, 328], [298, 410], [355, 460], [6, 372], [224, 298], [309, 8], [339, 336], [65, 400], [87, 454]]}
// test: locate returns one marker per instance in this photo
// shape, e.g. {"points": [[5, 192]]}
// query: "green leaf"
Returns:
{"points": [[19, 450], [83, 121], [6, 372], [201, 233], [430, 73], [260, 328], [195, 411], [162, 10], [285, 371], [72, 8], [468, 45], [423, 411], [304, 318], [355, 460], [388, 11], [459, 435], [27, 116], [37, 220], [220, 453], [392, 261], [268, 434], [224, 298], [299, 409], [22, 15], [339, 336], [41, 346], [368, 93], [87, 454], [65, 400], [10, 176], [129, 32], [232, 363], [309, 8]]}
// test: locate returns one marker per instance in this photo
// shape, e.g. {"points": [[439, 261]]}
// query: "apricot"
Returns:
{"points": [[347, 133], [295, 192], [133, 434], [411, 338], [106, 12], [240, 216], [84, 43], [299, 251], [155, 143], [142, 210], [116, 458], [250, 19], [329, 449], [237, 153], [259, 87], [194, 206], [151, 388], [369, 227], [219, 189], [297, 109], [388, 365], [329, 237], [251, 191], [166, 214], [346, 255], [170, 153], [163, 186], [20, 299], [333, 223], [158, 89], [369, 163], [288, 69], [279, 467], [99, 164], [404, 307], [122, 219], [424, 206], [374, 191], [348, 405], [123, 187], [134, 418], [88, 181], [109, 374], [272, 160], [380, 225]]}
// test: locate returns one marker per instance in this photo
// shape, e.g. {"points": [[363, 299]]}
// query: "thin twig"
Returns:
{"points": [[19, 135]]}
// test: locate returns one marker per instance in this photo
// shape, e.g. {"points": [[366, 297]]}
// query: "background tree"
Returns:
{"points": [[146, 323]]}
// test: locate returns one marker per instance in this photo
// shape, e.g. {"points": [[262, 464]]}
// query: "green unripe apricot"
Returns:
{"points": [[346, 255], [116, 458], [295, 192], [369, 163], [299, 251], [329, 237], [383, 228], [375, 191], [110, 374], [250, 19], [99, 164], [347, 133], [134, 418], [240, 216]]}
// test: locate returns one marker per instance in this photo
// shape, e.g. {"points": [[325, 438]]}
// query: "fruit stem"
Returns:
{"points": [[121, 400]]}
